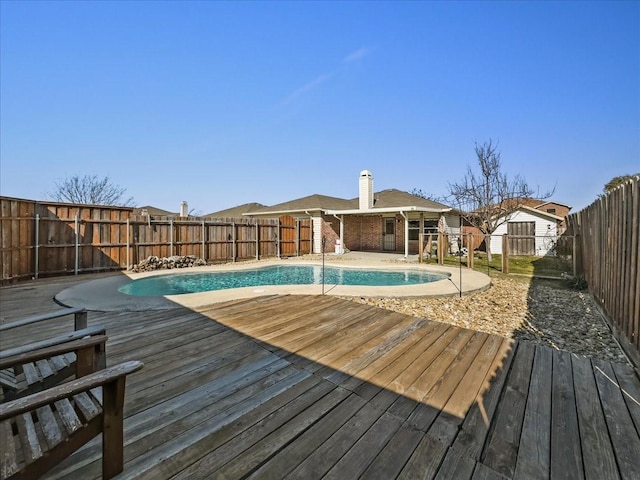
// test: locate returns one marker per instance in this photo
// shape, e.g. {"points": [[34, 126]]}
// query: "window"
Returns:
{"points": [[430, 227], [551, 211], [390, 226]]}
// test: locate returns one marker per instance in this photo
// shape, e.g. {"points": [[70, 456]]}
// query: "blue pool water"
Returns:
{"points": [[178, 284]]}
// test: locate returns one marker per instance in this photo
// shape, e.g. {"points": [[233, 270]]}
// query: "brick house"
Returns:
{"points": [[385, 221]]}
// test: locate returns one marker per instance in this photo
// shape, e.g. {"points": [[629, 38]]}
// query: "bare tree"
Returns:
{"points": [[91, 190], [487, 199]]}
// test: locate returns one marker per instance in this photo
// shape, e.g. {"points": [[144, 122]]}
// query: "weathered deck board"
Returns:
{"points": [[534, 449], [502, 447], [624, 437], [319, 387]]}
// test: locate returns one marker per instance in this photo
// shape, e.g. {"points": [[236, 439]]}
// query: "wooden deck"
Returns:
{"points": [[318, 387]]}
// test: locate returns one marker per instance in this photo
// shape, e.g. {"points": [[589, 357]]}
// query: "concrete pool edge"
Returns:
{"points": [[103, 295]]}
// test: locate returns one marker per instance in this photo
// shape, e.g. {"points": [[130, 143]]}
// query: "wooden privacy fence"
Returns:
{"points": [[218, 240], [608, 256], [43, 239]]}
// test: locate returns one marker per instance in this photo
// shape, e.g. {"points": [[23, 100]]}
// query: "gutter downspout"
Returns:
{"points": [[406, 235], [341, 218]]}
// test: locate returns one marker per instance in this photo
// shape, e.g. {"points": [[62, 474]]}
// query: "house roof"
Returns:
{"points": [[530, 204], [393, 201], [397, 198], [310, 203], [553, 203], [540, 212], [385, 201], [154, 211], [537, 203], [237, 211]]}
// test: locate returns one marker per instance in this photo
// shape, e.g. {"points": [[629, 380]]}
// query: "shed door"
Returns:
{"points": [[389, 234], [522, 240]]}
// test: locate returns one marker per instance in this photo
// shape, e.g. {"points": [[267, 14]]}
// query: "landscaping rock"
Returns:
{"points": [[534, 311], [165, 263]]}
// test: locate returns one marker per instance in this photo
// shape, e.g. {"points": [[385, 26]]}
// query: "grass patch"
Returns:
{"points": [[529, 265]]}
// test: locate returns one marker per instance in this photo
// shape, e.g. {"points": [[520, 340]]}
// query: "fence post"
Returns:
{"points": [[234, 247], [203, 241], [37, 246], [505, 253], [171, 236], [128, 245], [420, 246], [470, 251], [257, 240], [577, 256], [297, 237], [77, 247], [440, 248]]}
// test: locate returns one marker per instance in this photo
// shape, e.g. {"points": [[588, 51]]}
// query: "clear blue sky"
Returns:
{"points": [[221, 104]]}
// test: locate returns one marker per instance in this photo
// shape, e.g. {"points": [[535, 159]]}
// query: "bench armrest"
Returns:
{"points": [[42, 353], [66, 390], [79, 313], [49, 342]]}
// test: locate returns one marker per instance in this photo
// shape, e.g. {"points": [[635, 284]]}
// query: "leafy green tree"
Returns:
{"points": [[615, 182], [91, 190]]}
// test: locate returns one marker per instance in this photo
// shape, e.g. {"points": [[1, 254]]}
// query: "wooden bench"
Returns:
{"points": [[40, 365], [38, 431]]}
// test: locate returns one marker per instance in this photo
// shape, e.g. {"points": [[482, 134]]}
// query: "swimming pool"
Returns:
{"points": [[178, 284]]}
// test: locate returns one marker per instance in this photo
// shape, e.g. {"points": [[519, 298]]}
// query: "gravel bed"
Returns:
{"points": [[535, 311]]}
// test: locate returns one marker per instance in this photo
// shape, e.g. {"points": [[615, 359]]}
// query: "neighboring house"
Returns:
{"points": [[158, 212], [555, 208], [236, 212], [386, 221], [542, 221], [540, 228], [153, 212]]}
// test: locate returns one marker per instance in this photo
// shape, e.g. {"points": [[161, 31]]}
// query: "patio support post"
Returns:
{"points": [[37, 246], [406, 235], [421, 238], [341, 219]]}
